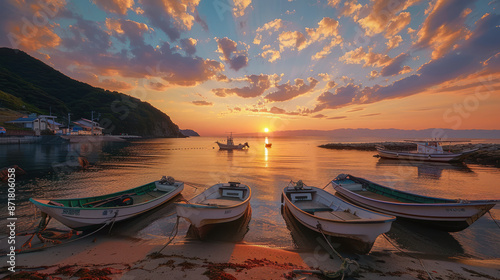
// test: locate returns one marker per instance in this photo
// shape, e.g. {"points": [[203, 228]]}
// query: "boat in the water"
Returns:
{"points": [[229, 145], [90, 212], [221, 203], [446, 214], [269, 145], [426, 151], [326, 213]]}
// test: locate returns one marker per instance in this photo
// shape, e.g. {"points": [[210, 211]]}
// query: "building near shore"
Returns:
{"points": [[86, 127], [37, 123]]}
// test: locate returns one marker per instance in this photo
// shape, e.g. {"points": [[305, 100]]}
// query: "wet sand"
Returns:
{"points": [[104, 256]]}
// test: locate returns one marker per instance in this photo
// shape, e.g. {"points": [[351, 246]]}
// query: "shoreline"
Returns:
{"points": [[118, 257], [488, 154]]}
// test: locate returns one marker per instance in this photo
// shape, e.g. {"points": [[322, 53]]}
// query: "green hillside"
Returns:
{"points": [[29, 85]]}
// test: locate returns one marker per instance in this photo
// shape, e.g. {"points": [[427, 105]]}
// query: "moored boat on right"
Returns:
{"points": [[426, 151], [446, 214]]}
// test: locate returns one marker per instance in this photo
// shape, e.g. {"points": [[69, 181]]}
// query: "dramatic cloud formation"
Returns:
{"points": [[171, 16], [386, 15], [360, 53], [444, 26], [115, 6], [258, 84], [230, 54], [287, 91]]}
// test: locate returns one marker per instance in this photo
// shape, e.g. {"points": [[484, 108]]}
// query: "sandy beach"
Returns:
{"points": [[111, 256]]}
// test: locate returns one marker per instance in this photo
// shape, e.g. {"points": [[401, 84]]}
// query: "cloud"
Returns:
{"points": [[202, 103], [386, 15], [271, 55], [157, 86], [469, 58], [29, 25], [397, 24], [337, 117], [393, 42], [258, 84], [287, 91], [350, 8], [327, 49], [189, 45], [240, 7], [371, 115], [319, 116], [271, 26], [395, 67], [327, 28], [333, 3], [115, 6], [370, 58], [443, 27], [171, 17], [230, 54], [343, 96], [292, 40], [112, 84]]}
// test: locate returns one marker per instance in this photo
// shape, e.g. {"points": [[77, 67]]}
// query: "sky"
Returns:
{"points": [[219, 66]]}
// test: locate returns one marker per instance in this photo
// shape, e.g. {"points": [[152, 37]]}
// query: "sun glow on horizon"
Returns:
{"points": [[266, 130]]}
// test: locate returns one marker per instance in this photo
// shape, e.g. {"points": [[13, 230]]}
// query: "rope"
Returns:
{"points": [[326, 185], [411, 256], [113, 223], [489, 212], [344, 267], [60, 243], [176, 228]]}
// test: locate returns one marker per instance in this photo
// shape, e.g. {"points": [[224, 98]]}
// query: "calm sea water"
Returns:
{"points": [[52, 172]]}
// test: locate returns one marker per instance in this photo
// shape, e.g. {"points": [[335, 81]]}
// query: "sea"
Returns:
{"points": [[53, 171]]}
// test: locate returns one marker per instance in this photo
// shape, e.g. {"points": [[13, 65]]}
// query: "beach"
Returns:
{"points": [[118, 257]]}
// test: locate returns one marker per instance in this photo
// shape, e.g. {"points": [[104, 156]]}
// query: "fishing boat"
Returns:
{"points": [[221, 203], [91, 212], [229, 145], [269, 145], [326, 213], [446, 214], [426, 151]]}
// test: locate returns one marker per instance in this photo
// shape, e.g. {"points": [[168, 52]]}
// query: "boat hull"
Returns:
{"points": [[80, 218], [362, 232], [444, 157], [449, 215], [202, 212], [230, 147]]}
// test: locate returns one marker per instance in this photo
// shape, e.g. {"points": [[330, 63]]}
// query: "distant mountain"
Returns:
{"points": [[29, 85], [189, 132], [395, 133]]}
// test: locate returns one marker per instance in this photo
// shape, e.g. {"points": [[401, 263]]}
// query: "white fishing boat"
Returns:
{"points": [[426, 151], [324, 212], [221, 203], [230, 144], [445, 214], [90, 212]]}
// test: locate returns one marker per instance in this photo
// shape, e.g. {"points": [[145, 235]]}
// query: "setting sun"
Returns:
{"points": [[266, 129]]}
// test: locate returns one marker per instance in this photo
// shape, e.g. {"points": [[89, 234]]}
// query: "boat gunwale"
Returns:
{"points": [[389, 219], [176, 191], [453, 203]]}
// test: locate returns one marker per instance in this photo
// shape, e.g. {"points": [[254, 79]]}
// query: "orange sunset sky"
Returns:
{"points": [[243, 65]]}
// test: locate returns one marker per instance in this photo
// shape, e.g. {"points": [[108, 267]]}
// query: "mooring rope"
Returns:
{"points": [[491, 215], [171, 238], [411, 256], [344, 267], [60, 243]]}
